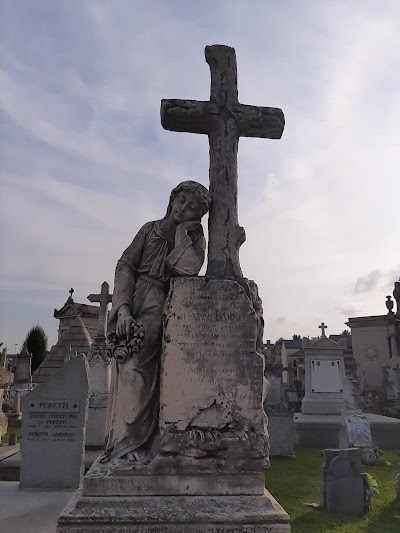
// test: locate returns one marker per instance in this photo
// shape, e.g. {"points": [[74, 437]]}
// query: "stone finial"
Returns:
{"points": [[389, 305], [322, 327]]}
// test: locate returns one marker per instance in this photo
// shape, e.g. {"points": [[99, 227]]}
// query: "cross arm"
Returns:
{"points": [[265, 122], [192, 116]]}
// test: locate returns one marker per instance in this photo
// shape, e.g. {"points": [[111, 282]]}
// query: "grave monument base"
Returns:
{"points": [[174, 514], [322, 431]]}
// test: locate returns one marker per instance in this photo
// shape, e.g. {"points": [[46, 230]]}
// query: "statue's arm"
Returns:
{"points": [[187, 258], [125, 274]]}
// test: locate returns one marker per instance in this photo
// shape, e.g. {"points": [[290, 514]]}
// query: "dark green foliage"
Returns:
{"points": [[36, 344]]}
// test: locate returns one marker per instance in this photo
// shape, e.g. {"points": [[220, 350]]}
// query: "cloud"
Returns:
{"points": [[85, 161], [368, 282]]}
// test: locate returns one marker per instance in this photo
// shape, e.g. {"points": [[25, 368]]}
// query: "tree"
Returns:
{"points": [[345, 332], [296, 337], [36, 343]]}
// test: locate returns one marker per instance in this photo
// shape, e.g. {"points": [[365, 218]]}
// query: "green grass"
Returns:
{"points": [[294, 482], [16, 430]]}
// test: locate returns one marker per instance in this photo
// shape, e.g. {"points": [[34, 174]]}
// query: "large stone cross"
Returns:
{"points": [[104, 298], [224, 120]]}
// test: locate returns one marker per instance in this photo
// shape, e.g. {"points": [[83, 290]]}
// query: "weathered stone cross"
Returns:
{"points": [[322, 327], [224, 120], [104, 298]]}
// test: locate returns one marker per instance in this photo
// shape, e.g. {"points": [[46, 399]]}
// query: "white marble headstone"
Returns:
{"points": [[53, 428], [359, 430]]}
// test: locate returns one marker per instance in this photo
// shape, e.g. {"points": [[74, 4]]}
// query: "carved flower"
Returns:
{"points": [[122, 354]]}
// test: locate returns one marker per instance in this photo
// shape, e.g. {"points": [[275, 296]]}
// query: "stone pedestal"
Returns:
{"points": [[208, 475], [324, 376], [99, 381]]}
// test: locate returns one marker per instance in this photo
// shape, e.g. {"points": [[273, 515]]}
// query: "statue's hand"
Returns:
{"points": [[183, 229], [124, 324]]}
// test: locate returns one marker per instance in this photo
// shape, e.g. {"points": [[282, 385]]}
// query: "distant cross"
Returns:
{"points": [[224, 120], [104, 298], [71, 292], [322, 327]]}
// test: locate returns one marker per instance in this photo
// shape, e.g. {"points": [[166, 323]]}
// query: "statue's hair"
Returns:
{"points": [[197, 189]]}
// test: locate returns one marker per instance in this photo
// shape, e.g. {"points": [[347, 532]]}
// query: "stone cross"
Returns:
{"points": [[104, 298], [71, 292], [224, 120], [322, 327]]}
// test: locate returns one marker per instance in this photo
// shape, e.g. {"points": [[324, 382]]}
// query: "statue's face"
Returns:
{"points": [[185, 207]]}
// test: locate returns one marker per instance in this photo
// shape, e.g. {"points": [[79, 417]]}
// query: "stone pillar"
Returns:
{"points": [[99, 382]]}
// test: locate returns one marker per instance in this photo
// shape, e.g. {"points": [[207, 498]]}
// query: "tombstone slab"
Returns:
{"points": [[212, 378], [53, 428], [342, 484], [281, 430]]}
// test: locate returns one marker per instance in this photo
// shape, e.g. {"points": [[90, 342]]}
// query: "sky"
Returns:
{"points": [[84, 161]]}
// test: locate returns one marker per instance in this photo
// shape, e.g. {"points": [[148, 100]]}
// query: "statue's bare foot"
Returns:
{"points": [[137, 456]]}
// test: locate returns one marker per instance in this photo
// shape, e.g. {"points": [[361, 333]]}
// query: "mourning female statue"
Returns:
{"points": [[173, 246]]}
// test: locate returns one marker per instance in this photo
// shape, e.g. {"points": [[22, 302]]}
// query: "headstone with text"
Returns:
{"points": [[53, 429]]}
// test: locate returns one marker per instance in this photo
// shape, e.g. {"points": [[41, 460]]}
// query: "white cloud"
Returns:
{"points": [[85, 161]]}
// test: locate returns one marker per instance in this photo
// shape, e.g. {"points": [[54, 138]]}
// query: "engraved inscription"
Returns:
{"points": [[52, 420], [212, 374]]}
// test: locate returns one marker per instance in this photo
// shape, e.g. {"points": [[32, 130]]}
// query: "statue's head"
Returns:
{"points": [[199, 192]]}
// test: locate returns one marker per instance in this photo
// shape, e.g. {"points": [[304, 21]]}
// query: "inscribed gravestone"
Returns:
{"points": [[53, 428], [359, 431], [211, 387]]}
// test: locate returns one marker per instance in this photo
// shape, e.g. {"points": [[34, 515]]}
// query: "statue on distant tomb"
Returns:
{"points": [[173, 246]]}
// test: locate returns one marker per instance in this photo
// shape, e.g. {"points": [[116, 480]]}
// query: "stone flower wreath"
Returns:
{"points": [[120, 348]]}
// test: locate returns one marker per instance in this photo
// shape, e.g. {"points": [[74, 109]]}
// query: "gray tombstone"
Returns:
{"points": [[280, 430], [53, 428], [359, 430], [342, 483]]}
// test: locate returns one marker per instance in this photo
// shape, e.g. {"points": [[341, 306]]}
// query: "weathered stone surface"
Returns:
{"points": [[171, 514], [53, 428], [358, 430], [99, 381], [280, 430], [100, 481], [224, 120], [212, 378], [342, 484]]}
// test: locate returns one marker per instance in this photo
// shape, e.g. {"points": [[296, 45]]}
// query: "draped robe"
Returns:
{"points": [[141, 281]]}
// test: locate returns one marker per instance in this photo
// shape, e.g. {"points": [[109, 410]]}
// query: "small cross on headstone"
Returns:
{"points": [[224, 120], [104, 298], [322, 327], [71, 292]]}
